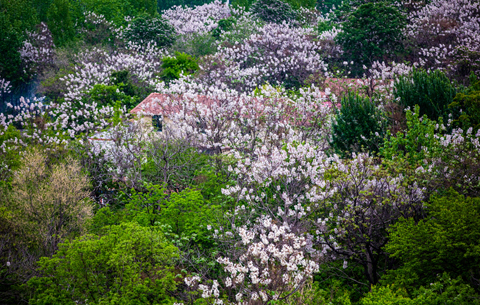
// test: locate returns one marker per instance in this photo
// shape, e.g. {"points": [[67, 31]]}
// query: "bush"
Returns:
{"points": [[60, 22], [174, 66], [386, 296], [447, 240], [52, 200], [469, 103], [371, 32], [223, 25], [274, 11], [144, 29], [196, 44], [9, 155], [358, 126], [443, 291], [416, 143], [105, 95], [182, 216], [433, 92], [129, 264]]}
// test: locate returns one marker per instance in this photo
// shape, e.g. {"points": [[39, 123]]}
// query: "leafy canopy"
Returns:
{"points": [[129, 264]]}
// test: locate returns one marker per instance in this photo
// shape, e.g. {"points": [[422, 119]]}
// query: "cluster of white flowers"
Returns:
{"points": [[275, 262], [277, 53], [444, 29], [5, 86], [225, 119], [37, 50], [196, 20]]}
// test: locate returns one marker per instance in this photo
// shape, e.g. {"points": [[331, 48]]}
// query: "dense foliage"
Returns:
{"points": [[239, 152]]}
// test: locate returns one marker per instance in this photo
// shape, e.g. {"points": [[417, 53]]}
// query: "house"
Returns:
{"points": [[150, 110]]}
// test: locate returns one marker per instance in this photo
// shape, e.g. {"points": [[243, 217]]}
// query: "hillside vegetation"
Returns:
{"points": [[286, 152]]}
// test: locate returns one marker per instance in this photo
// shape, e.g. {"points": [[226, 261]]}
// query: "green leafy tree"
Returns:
{"points": [[9, 155], [112, 10], [166, 4], [358, 126], [60, 22], [372, 32], [109, 95], [145, 29], [416, 143], [295, 4], [223, 25], [182, 215], [16, 17], [275, 11], [444, 291], [447, 240], [180, 64], [432, 91], [469, 103], [128, 264], [136, 7]]}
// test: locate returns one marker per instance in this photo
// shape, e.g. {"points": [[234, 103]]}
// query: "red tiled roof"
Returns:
{"points": [[156, 104], [151, 105]]}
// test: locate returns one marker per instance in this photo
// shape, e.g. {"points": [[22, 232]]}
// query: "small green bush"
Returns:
{"points": [[273, 11], [414, 144], [433, 92], [196, 44], [386, 295], [223, 25], [469, 103], [9, 156], [108, 95], [181, 63], [358, 126], [145, 29], [129, 264], [182, 215], [444, 291]]}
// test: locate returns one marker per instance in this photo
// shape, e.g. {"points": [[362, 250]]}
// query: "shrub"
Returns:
{"points": [[447, 240], [182, 216], [274, 11], [223, 25], [469, 103], [433, 92], [144, 29], [358, 126], [196, 44], [181, 63], [60, 22], [105, 95], [444, 291], [9, 155], [52, 200], [416, 143], [386, 295], [129, 264], [371, 32]]}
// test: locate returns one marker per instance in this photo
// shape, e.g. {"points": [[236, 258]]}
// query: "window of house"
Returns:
{"points": [[157, 122]]}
